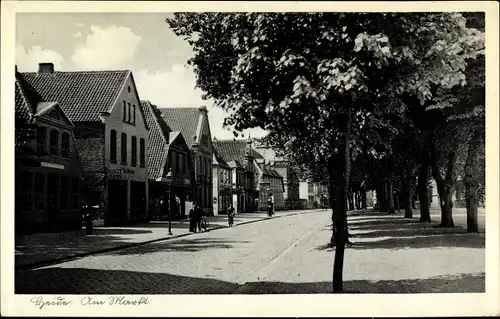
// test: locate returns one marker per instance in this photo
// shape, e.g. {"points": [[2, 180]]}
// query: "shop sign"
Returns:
{"points": [[115, 172]]}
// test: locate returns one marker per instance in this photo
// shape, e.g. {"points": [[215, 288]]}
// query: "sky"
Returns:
{"points": [[140, 42]]}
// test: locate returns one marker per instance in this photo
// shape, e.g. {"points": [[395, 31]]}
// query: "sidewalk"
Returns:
{"points": [[37, 250]]}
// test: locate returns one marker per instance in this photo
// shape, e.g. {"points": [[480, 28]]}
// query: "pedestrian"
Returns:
{"points": [[199, 214], [230, 215], [192, 219]]}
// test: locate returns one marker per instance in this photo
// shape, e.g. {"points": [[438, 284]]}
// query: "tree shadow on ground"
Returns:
{"points": [[180, 245], [110, 282], [400, 233]]}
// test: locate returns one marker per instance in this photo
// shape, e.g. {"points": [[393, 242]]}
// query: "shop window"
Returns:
{"points": [[24, 188], [75, 191], [65, 145], [39, 191], [65, 190]]}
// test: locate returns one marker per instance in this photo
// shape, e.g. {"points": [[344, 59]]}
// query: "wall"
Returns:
{"points": [[114, 121], [203, 155]]}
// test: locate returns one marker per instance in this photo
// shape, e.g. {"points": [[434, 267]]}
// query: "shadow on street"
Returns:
{"points": [[91, 281], [180, 245]]}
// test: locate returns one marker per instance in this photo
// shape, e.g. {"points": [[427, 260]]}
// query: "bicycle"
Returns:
{"points": [[205, 224]]}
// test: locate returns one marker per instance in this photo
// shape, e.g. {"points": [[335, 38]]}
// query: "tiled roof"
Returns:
{"points": [[83, 94], [234, 150], [25, 109], [218, 160], [183, 119], [158, 144]]}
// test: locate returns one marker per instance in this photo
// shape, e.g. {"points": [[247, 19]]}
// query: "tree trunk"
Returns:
{"points": [[471, 182], [445, 188], [408, 197], [423, 177], [390, 198], [343, 174]]}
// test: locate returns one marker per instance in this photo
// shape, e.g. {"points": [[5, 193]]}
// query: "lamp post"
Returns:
{"points": [[169, 179]]}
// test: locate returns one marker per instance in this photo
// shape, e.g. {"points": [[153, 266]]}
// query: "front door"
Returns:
{"points": [[52, 199], [117, 201]]}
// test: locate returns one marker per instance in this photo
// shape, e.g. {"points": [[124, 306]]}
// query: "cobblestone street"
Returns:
{"points": [[281, 255]]}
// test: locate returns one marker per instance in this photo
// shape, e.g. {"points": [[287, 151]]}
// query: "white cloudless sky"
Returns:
{"points": [[141, 42]]}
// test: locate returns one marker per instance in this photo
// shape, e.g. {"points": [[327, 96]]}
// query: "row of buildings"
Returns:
{"points": [[85, 140]]}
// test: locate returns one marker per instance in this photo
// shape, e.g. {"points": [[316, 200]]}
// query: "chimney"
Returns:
{"points": [[16, 68], [203, 109], [46, 68]]}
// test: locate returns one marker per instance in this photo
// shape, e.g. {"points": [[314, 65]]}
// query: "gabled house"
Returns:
{"points": [[241, 158], [48, 171], [222, 183], [194, 126], [289, 173], [269, 183], [111, 136], [168, 151]]}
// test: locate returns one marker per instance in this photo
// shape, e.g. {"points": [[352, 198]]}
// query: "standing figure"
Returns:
{"points": [[230, 215], [199, 214], [192, 219]]}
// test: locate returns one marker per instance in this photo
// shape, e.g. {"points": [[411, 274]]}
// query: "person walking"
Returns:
{"points": [[230, 215], [192, 219], [199, 213]]}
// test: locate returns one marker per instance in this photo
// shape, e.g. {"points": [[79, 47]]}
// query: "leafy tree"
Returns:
{"points": [[325, 82]]}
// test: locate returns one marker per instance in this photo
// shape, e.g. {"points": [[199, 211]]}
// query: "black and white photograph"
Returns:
{"points": [[187, 151]]}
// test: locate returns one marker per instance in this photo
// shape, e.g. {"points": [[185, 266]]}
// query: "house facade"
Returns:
{"points": [[270, 183], [111, 137], [289, 173], [240, 157], [194, 126], [314, 195], [222, 184], [48, 170], [168, 152]]}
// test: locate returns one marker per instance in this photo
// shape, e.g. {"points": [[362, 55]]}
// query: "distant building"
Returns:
{"points": [[240, 156], [222, 184], [288, 172], [48, 170], [111, 136], [194, 126], [168, 151], [314, 195]]}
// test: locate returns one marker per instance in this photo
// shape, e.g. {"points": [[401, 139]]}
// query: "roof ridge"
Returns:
{"points": [[84, 71]]}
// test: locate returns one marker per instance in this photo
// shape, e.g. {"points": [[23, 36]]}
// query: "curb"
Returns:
{"points": [[50, 262]]}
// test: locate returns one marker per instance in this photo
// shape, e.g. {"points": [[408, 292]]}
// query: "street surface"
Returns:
{"points": [[279, 255]]}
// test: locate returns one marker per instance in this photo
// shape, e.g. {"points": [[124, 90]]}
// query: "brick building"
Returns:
{"points": [[194, 126], [168, 151], [111, 136], [48, 170]]}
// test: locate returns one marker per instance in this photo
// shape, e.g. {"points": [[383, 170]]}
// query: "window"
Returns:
{"points": [[39, 191], [124, 148], [124, 111], [134, 151], [65, 145], [54, 142], [112, 146], [129, 89], [41, 139], [75, 187], [65, 188], [143, 152], [133, 114], [24, 190], [128, 115], [180, 163]]}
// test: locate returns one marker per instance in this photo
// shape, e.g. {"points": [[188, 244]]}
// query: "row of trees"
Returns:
{"points": [[353, 98]]}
